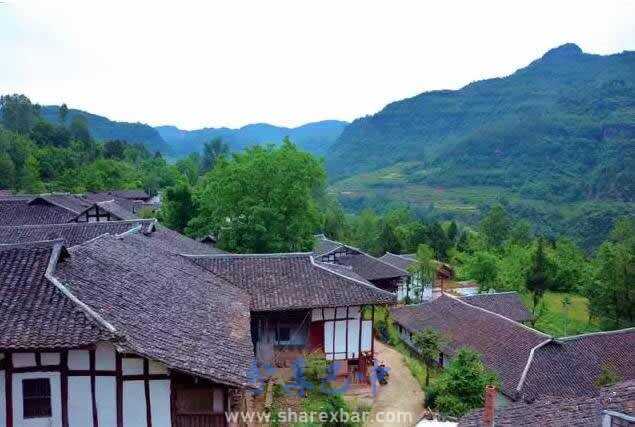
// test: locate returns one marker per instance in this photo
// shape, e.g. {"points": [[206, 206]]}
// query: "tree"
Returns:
{"points": [[79, 129], [428, 343], [212, 151], [334, 224], [438, 241], [571, 269], [483, 268], [495, 227], [388, 241], [537, 279], [63, 112], [366, 230], [423, 270], [18, 114], [520, 233], [566, 304], [453, 232], [177, 207], [190, 167], [114, 149], [460, 386], [261, 200]]}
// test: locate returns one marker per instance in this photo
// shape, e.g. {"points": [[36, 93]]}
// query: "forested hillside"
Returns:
{"points": [[102, 128], [555, 141], [315, 138]]}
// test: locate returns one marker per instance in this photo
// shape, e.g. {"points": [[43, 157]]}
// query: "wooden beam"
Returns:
{"points": [[64, 386], [93, 381], [146, 386], [8, 387], [119, 382]]}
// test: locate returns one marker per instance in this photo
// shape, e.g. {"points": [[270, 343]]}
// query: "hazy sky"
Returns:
{"points": [[230, 63]]}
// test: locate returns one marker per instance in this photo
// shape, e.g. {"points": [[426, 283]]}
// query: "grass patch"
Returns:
{"points": [[554, 319]]}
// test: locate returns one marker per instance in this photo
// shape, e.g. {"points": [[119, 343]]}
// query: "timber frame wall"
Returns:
{"points": [[63, 365]]}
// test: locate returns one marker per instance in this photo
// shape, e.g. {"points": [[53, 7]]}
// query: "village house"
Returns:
{"points": [[300, 304], [381, 274], [613, 407], [529, 363], [116, 332], [57, 208], [413, 287]]}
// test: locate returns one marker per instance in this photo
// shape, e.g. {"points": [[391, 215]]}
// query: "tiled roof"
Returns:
{"points": [[67, 201], [562, 412], [291, 281], [171, 241], [124, 194], [369, 267], [504, 345], [118, 209], [21, 212], [72, 233], [508, 304], [34, 313], [400, 261], [164, 306], [324, 244], [571, 366]]}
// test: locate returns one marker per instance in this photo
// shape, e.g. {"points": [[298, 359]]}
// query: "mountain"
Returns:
{"points": [[103, 128], [313, 137], [555, 141]]}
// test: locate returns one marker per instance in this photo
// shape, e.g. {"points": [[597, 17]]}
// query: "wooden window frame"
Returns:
{"points": [[31, 412]]}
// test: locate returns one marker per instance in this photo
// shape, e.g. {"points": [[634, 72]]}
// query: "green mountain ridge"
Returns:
{"points": [[315, 137], [557, 135]]}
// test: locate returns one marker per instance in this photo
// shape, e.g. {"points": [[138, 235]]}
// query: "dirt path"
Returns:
{"points": [[402, 394]]}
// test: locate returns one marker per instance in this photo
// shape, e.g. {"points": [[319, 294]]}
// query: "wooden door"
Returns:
{"points": [[316, 336], [199, 406]]}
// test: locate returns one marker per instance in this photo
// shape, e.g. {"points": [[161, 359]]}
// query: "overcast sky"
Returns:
{"points": [[230, 63]]}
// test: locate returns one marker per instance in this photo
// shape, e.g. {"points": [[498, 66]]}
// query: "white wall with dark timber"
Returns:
{"points": [[80, 404], [160, 398], [56, 401], [3, 404], [342, 329], [134, 404], [106, 400]]}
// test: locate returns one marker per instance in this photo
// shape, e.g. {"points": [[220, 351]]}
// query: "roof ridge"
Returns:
{"points": [[530, 358], [47, 199], [73, 224], [368, 255], [40, 243], [230, 255], [323, 267], [495, 314], [49, 275], [490, 293], [588, 334]]}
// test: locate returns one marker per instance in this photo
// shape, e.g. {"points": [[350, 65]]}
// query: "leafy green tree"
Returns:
{"points": [[17, 113], [212, 152], [608, 376], [334, 224], [366, 230], [513, 266], [424, 269], [520, 233], [571, 270], [261, 200], [495, 227], [388, 241], [177, 207], [190, 167], [114, 149], [538, 281], [412, 235], [428, 344], [79, 128], [483, 268], [460, 386], [438, 241], [453, 232], [44, 133]]}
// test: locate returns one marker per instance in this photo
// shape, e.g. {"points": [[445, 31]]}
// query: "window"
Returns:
{"points": [[36, 395], [284, 333]]}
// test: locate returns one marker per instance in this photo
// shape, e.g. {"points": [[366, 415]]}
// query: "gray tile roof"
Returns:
{"points": [[400, 261], [508, 304], [504, 344], [571, 366], [22, 212], [323, 244], [72, 233], [562, 412], [292, 281], [164, 306], [34, 313]]}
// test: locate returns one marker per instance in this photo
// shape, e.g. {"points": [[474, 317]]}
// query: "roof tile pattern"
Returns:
{"points": [[559, 412], [33, 312], [507, 304], [400, 261], [166, 307], [291, 281], [504, 345], [570, 367], [20, 212], [72, 233]]}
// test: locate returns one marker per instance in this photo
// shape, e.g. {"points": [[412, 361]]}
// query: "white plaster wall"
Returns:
{"points": [[21, 360], [79, 359], [160, 403], [367, 334], [134, 404], [50, 359], [105, 357], [3, 404], [106, 398], [132, 366], [340, 339], [80, 405], [353, 338], [328, 339], [56, 404]]}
